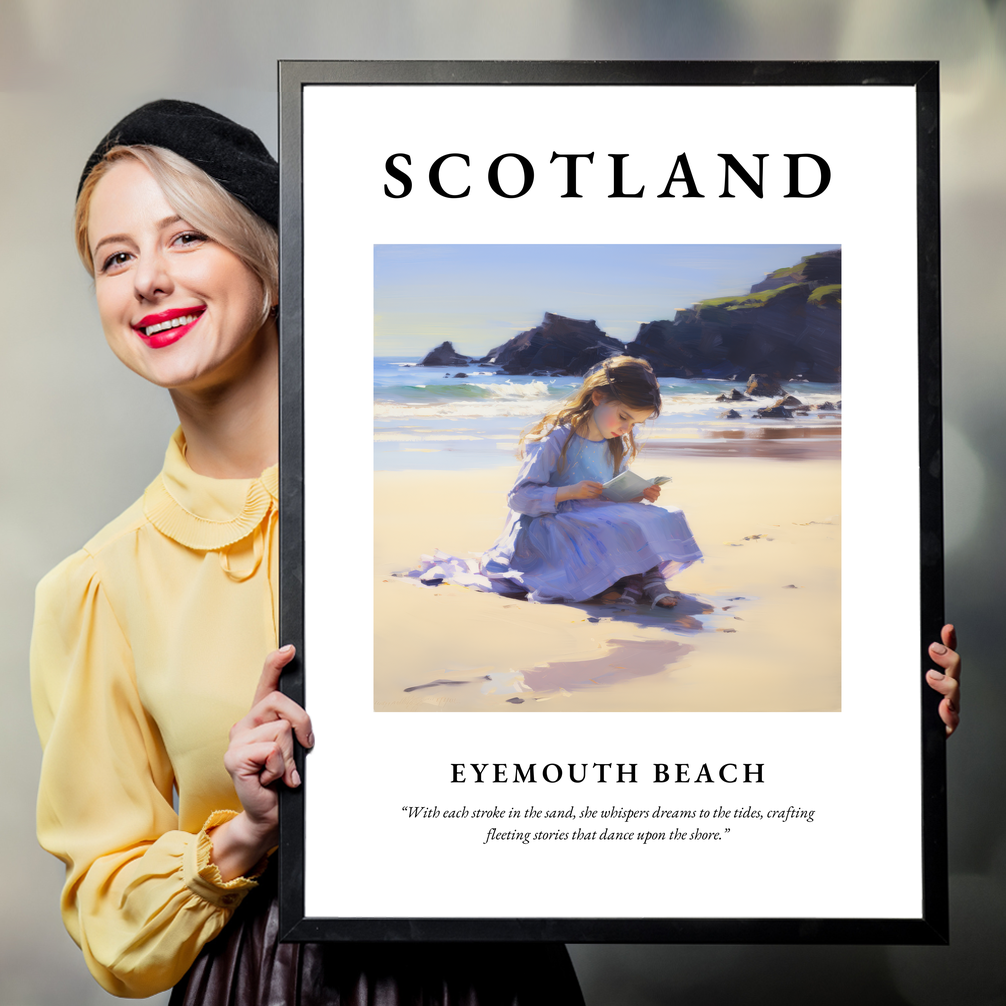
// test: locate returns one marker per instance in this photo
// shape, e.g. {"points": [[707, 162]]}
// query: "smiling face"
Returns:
{"points": [[611, 418], [177, 308]]}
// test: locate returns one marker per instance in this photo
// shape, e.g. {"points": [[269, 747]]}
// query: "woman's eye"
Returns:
{"points": [[189, 238], [114, 261]]}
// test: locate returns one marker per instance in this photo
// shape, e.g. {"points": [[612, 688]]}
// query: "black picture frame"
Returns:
{"points": [[931, 925]]}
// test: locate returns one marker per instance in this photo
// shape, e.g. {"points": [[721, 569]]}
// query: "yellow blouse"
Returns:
{"points": [[147, 647]]}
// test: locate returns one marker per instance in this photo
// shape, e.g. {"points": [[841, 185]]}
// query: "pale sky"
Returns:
{"points": [[478, 296]]}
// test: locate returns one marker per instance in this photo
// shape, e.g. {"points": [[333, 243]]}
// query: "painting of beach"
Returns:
{"points": [[475, 343]]}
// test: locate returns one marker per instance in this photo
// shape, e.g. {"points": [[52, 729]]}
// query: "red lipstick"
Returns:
{"points": [[165, 333]]}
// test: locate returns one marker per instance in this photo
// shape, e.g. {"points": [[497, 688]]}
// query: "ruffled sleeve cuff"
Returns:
{"points": [[533, 499], [201, 875], [531, 494]]}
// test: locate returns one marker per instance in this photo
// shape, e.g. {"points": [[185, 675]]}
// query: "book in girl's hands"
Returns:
{"points": [[629, 485]]}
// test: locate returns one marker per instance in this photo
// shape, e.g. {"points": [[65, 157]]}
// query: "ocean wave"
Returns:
{"points": [[534, 389], [472, 389], [475, 399], [469, 409]]}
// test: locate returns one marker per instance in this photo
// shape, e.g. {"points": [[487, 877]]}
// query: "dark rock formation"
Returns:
{"points": [[788, 325], [773, 412], [460, 375], [444, 356], [675, 350], [731, 414], [558, 343], [789, 401], [736, 395], [823, 269], [763, 386]]}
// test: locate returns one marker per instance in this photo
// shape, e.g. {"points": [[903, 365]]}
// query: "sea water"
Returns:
{"points": [[426, 418]]}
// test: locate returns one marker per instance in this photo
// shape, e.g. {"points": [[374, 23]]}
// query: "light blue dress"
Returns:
{"points": [[572, 550]]}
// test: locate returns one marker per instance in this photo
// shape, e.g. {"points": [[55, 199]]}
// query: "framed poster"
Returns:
{"points": [[522, 735]]}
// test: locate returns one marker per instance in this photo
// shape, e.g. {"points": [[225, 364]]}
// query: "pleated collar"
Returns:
{"points": [[203, 513]]}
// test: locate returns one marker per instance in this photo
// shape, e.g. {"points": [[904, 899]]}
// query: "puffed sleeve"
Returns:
{"points": [[531, 494], [141, 898]]}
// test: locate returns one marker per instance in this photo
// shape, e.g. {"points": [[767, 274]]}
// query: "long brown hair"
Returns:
{"points": [[625, 379]]}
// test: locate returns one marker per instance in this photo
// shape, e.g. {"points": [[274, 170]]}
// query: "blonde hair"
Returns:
{"points": [[625, 379], [200, 201]]}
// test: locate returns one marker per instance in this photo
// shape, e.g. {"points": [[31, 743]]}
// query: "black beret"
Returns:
{"points": [[230, 154]]}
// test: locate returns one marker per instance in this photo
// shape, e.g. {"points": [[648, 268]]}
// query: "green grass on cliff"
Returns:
{"points": [[796, 271], [789, 270], [825, 291], [746, 300]]}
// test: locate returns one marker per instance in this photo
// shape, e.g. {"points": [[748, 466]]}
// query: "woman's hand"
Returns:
{"points": [[260, 753], [947, 682], [585, 490]]}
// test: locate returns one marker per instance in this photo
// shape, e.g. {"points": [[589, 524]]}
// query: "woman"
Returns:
{"points": [[148, 642]]}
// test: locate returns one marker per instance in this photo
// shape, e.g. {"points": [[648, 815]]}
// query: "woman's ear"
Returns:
{"points": [[598, 397]]}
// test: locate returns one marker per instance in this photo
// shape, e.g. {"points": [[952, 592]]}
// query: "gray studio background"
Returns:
{"points": [[82, 436]]}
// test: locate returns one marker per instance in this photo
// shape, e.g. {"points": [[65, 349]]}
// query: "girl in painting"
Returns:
{"points": [[165, 739], [564, 541]]}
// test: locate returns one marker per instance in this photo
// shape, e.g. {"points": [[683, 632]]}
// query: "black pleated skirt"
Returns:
{"points": [[246, 965]]}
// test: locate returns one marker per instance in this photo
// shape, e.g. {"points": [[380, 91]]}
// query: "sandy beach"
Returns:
{"points": [[757, 626]]}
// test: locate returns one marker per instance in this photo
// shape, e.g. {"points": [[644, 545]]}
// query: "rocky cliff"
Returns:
{"points": [[557, 344], [789, 325]]}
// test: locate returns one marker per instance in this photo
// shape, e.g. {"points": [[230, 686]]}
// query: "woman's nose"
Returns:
{"points": [[151, 277]]}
